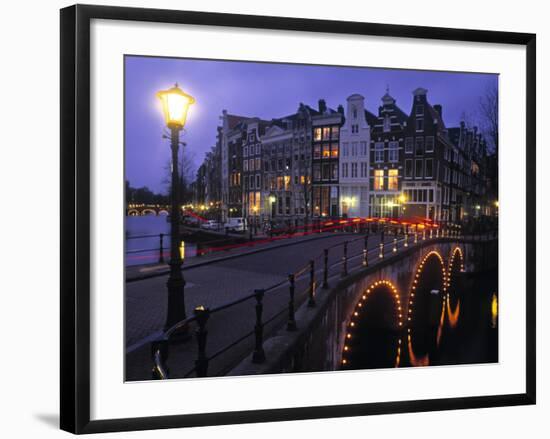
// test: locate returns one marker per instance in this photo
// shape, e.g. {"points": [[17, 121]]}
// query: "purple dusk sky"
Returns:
{"points": [[267, 91]]}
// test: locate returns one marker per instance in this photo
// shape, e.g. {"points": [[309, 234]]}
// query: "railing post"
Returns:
{"points": [[424, 234], [394, 245], [437, 232], [325, 269], [161, 248], [291, 325], [201, 363], [416, 234], [258, 356], [345, 260], [311, 301], [366, 251], [406, 233]]}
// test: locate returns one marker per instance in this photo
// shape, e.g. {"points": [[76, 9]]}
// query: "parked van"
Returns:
{"points": [[235, 224]]}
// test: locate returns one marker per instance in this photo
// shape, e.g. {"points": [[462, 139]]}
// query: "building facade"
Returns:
{"points": [[348, 162], [325, 161], [355, 158], [386, 160]]}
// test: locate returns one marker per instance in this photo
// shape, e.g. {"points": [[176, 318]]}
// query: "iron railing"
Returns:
{"points": [[401, 239]]}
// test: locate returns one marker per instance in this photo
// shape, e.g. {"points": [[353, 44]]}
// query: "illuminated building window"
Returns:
{"points": [[317, 134], [378, 179], [392, 179]]}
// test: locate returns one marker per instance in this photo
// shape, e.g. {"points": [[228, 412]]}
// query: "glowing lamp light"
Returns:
{"points": [[175, 105], [272, 199]]}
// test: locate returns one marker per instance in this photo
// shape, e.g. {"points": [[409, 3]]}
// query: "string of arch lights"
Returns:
{"points": [[359, 307], [424, 361], [446, 276], [453, 314]]}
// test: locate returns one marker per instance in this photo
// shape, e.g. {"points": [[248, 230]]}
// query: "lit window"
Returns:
{"points": [[334, 150], [326, 133], [326, 150], [378, 179], [317, 134], [335, 132], [393, 179]]}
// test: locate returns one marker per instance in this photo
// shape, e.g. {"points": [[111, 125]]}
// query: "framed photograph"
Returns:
{"points": [[268, 219]]}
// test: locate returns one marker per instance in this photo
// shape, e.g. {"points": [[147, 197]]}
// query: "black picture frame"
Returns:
{"points": [[75, 217]]}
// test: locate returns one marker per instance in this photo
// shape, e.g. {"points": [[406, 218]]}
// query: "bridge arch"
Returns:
{"points": [[377, 315], [147, 211], [133, 212], [426, 308], [163, 212], [456, 266]]}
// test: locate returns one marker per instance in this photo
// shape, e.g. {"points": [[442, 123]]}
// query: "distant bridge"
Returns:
{"points": [[147, 209]]}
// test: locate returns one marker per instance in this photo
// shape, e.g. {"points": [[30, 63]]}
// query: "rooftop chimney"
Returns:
{"points": [[341, 109], [439, 110], [322, 106]]}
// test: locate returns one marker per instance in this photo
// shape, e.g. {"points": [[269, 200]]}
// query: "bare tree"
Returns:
{"points": [[187, 172], [488, 117]]}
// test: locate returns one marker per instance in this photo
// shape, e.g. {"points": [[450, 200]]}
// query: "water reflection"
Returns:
{"points": [[143, 240], [464, 332]]}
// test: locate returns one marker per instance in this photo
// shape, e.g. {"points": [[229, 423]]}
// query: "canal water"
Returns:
{"points": [[142, 236], [465, 330]]}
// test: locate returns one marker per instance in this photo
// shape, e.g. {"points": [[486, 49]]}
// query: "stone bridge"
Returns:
{"points": [[413, 293], [147, 209]]}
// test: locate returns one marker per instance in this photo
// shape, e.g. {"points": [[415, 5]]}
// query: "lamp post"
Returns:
{"points": [[175, 105]]}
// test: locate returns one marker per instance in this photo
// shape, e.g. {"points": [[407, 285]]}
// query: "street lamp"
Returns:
{"points": [[175, 105]]}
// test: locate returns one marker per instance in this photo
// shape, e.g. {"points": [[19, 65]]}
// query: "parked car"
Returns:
{"points": [[210, 225], [235, 225]]}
